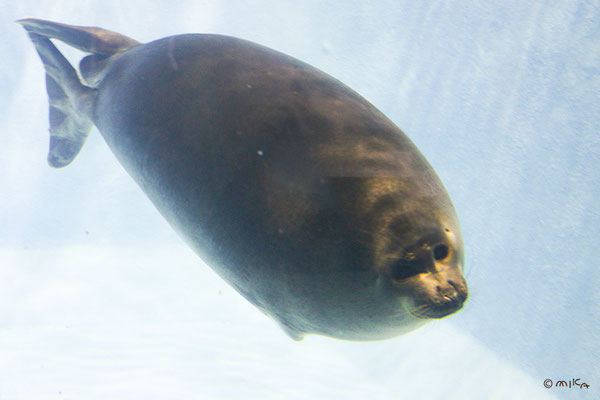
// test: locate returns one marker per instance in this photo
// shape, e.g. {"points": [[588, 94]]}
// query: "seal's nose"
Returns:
{"points": [[450, 298], [447, 297]]}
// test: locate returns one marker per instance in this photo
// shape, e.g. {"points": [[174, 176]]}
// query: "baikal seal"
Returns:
{"points": [[296, 190]]}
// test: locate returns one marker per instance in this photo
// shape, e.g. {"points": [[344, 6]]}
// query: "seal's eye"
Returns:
{"points": [[399, 271], [440, 252]]}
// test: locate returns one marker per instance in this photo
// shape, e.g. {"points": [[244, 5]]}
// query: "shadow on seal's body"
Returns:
{"points": [[296, 190]]}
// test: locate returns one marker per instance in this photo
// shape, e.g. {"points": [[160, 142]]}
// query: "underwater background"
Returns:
{"points": [[100, 299]]}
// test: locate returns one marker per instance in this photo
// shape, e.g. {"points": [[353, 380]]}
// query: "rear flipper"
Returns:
{"points": [[89, 39], [70, 122], [71, 102]]}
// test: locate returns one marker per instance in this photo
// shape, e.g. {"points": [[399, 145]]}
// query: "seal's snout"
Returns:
{"points": [[452, 297], [446, 299], [442, 309]]}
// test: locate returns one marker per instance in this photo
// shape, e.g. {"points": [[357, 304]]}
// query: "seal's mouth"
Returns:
{"points": [[443, 304]]}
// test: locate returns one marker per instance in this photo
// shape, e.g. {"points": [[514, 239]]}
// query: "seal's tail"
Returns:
{"points": [[71, 102]]}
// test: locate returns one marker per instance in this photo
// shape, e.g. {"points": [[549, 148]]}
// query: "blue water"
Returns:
{"points": [[100, 299]]}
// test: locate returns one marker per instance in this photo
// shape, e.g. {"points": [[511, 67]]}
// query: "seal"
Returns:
{"points": [[292, 187]]}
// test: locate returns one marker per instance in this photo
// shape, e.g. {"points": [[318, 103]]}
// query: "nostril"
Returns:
{"points": [[440, 252], [459, 290], [448, 292]]}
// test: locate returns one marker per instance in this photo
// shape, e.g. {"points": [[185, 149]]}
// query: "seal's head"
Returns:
{"points": [[416, 245], [411, 263], [428, 272]]}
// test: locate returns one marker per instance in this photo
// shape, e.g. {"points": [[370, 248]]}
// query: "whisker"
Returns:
{"points": [[409, 312]]}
